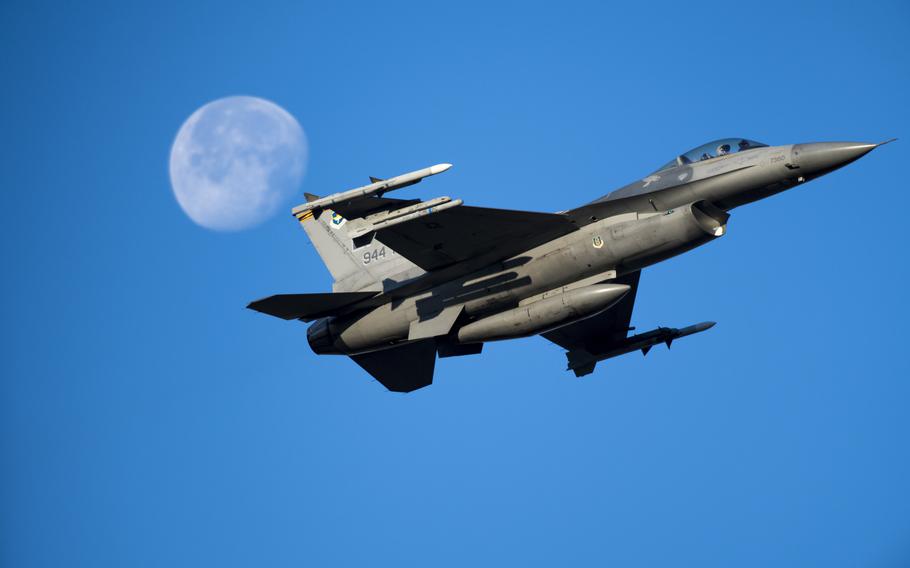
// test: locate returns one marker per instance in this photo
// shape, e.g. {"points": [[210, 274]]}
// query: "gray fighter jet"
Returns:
{"points": [[419, 279]]}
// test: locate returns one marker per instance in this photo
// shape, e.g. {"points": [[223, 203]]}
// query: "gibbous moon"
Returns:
{"points": [[236, 161]]}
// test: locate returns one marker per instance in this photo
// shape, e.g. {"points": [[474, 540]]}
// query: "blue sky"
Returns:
{"points": [[148, 419]]}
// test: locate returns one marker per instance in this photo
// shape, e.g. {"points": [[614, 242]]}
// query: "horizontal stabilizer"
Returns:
{"points": [[307, 306], [401, 369]]}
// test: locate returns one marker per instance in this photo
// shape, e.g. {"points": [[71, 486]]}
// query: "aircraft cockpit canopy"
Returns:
{"points": [[713, 149]]}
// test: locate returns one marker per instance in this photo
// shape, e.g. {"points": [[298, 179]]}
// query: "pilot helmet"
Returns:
{"points": [[723, 149]]}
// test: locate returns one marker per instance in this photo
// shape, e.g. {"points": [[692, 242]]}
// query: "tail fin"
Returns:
{"points": [[353, 269]]}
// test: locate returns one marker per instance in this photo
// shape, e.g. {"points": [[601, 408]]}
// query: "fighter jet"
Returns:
{"points": [[415, 279]]}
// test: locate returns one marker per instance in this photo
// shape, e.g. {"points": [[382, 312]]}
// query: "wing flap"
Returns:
{"points": [[307, 306]]}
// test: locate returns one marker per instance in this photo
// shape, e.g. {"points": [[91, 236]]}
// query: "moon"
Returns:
{"points": [[236, 161]]}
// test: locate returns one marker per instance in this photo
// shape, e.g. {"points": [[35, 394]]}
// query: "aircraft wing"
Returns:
{"points": [[462, 233], [604, 331]]}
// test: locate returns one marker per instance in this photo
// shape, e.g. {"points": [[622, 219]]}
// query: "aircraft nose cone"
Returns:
{"points": [[821, 157]]}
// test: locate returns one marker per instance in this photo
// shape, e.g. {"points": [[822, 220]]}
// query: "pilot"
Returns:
{"points": [[744, 145], [723, 149]]}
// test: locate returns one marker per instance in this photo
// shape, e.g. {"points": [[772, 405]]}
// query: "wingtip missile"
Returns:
{"points": [[405, 214], [439, 168], [377, 187]]}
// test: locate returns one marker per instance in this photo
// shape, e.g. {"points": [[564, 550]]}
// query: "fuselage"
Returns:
{"points": [[679, 207]]}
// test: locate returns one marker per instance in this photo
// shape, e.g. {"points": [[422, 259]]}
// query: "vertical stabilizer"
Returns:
{"points": [[352, 268]]}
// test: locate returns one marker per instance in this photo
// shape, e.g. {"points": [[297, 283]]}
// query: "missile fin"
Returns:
{"points": [[645, 349]]}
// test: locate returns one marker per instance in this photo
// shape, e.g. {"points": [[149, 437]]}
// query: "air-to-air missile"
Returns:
{"points": [[582, 362], [378, 187], [413, 280], [385, 220]]}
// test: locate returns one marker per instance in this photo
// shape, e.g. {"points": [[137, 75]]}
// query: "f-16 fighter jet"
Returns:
{"points": [[415, 279]]}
